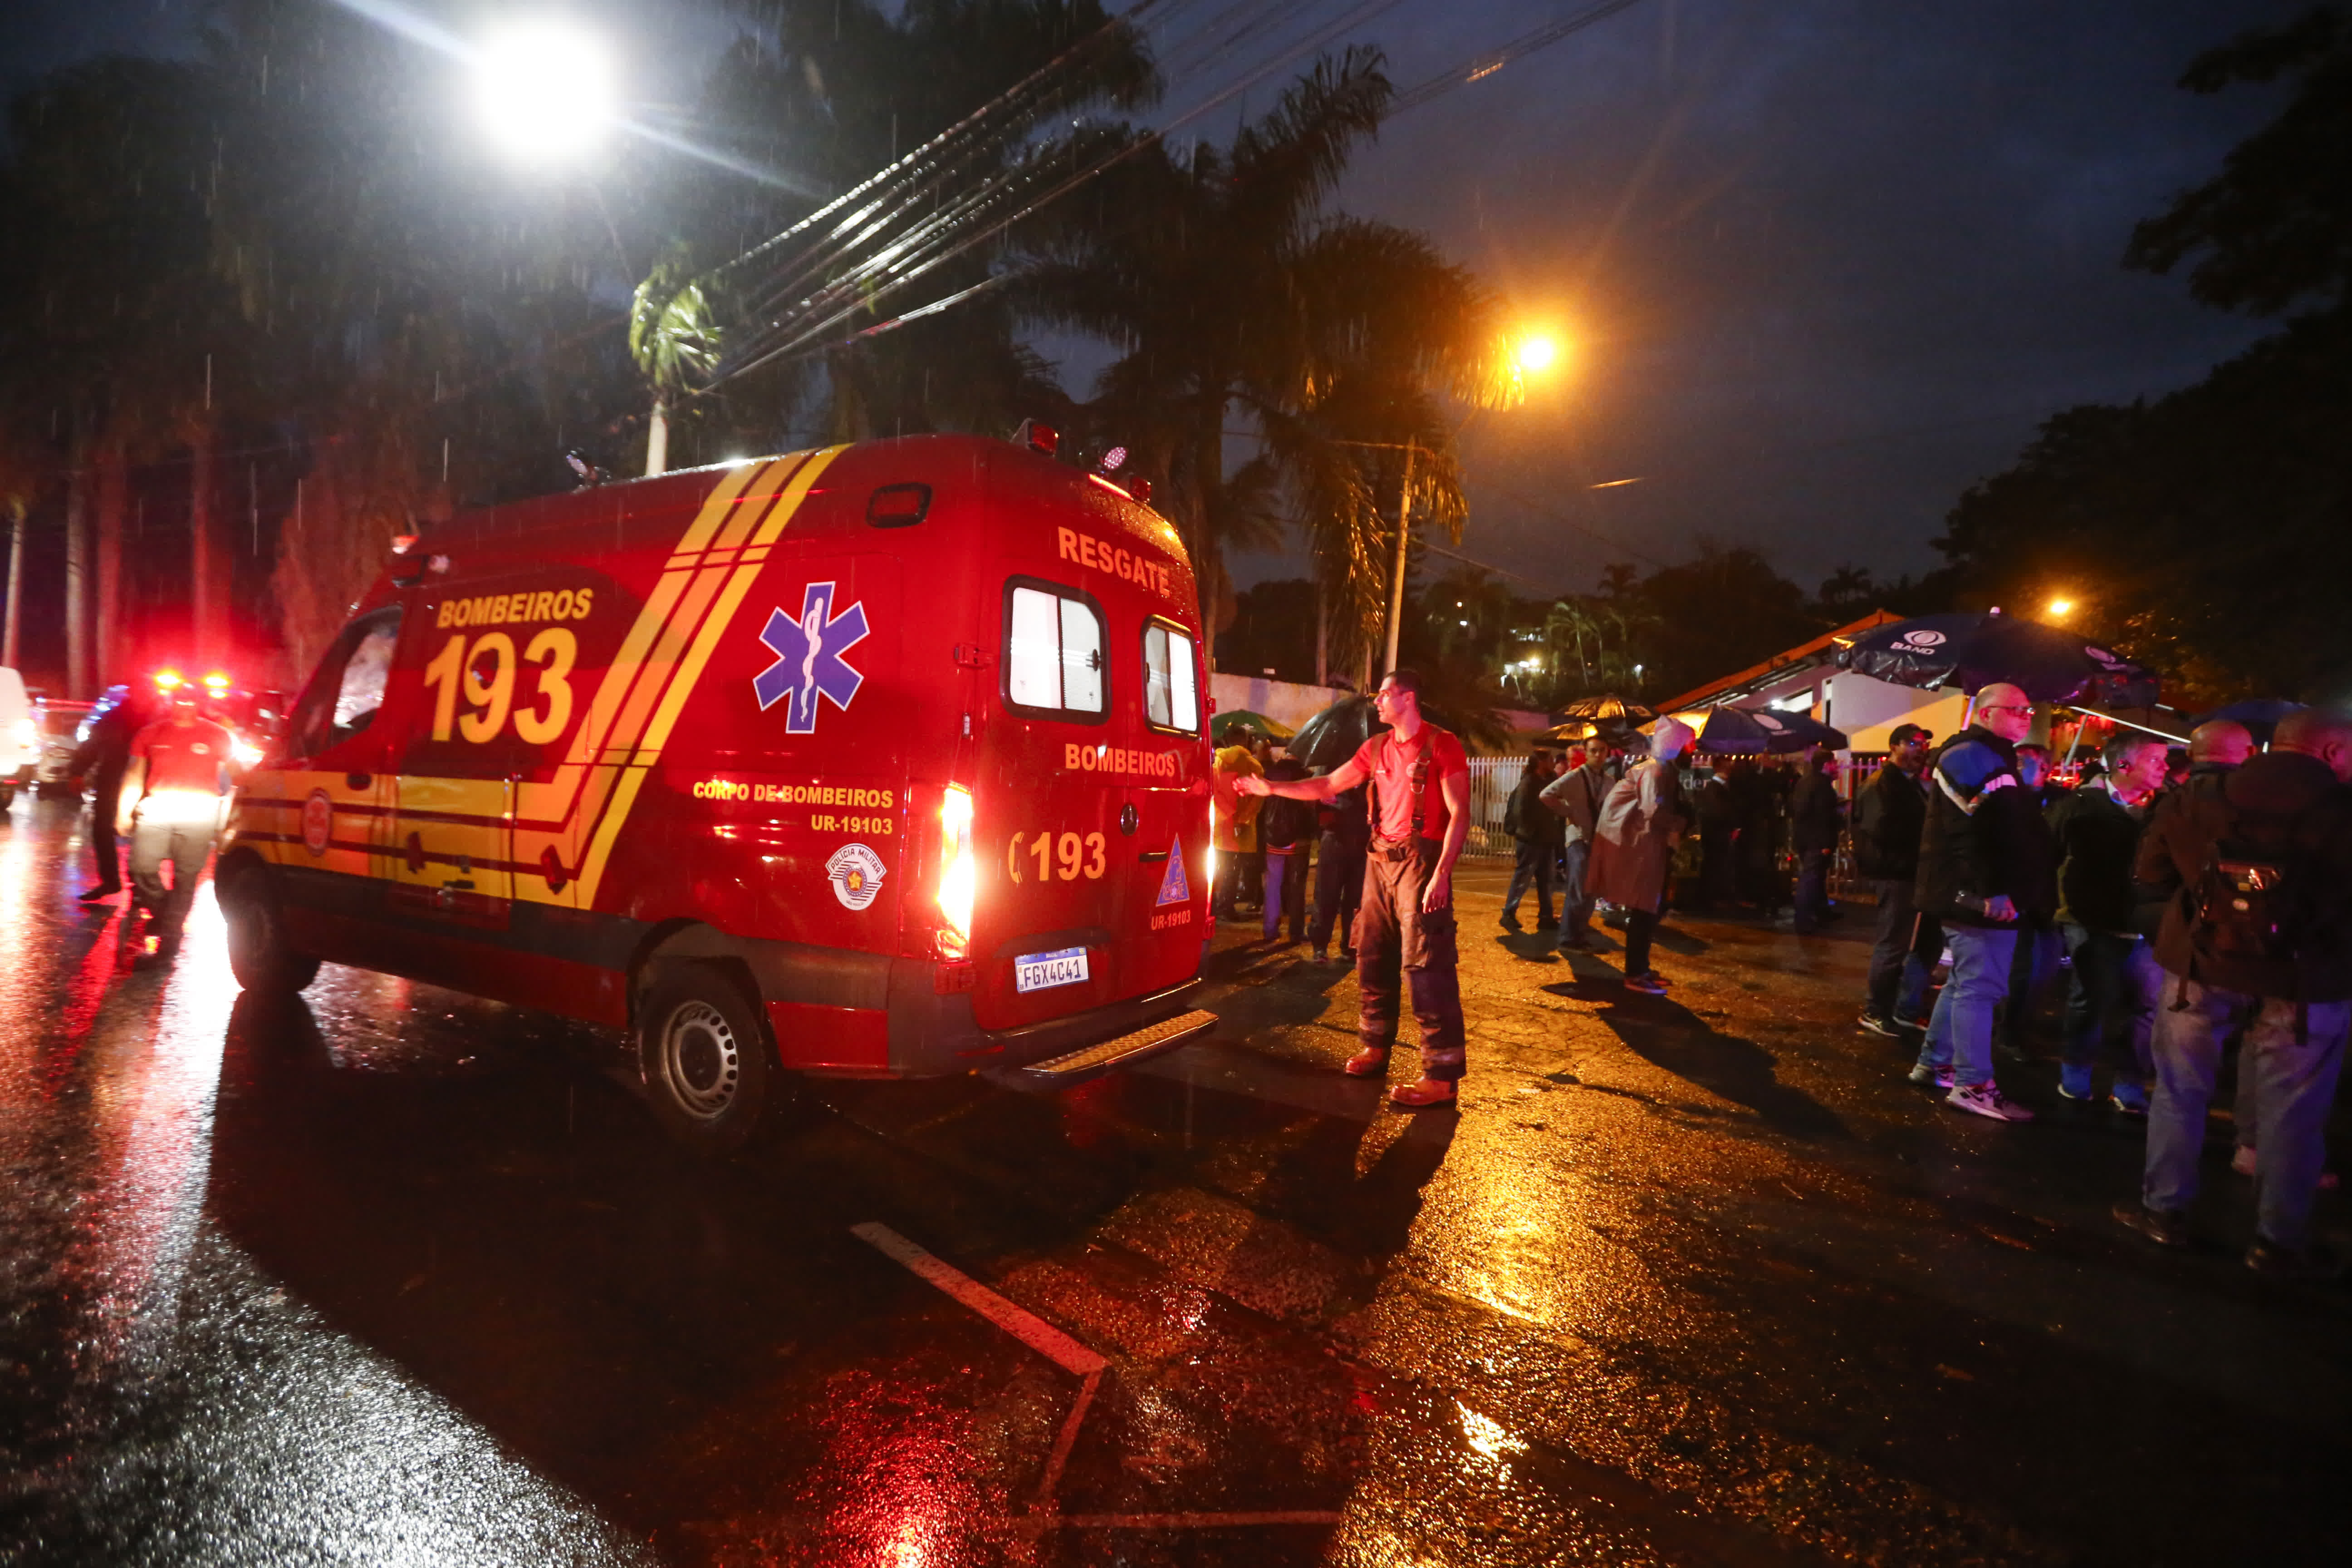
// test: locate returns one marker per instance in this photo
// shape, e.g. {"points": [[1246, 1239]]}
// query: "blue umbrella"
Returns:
{"points": [[1974, 651], [1738, 731]]}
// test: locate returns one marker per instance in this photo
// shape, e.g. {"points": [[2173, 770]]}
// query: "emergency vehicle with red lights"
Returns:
{"points": [[882, 760]]}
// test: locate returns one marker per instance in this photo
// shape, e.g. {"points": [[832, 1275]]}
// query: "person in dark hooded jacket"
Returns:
{"points": [[1985, 869], [2257, 935]]}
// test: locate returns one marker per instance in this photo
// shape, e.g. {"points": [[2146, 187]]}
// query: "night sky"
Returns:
{"points": [[1822, 263]]}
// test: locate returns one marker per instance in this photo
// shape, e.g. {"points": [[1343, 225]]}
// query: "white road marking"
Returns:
{"points": [[1023, 1324]]}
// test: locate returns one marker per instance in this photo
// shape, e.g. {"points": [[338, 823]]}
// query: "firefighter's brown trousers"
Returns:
{"points": [[1393, 933]]}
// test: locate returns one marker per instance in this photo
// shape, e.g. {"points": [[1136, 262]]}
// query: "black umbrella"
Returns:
{"points": [[1333, 735], [1739, 731], [1608, 709], [1971, 652]]}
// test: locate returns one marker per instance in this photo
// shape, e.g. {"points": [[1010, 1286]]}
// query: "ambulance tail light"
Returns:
{"points": [[959, 872], [1213, 847]]}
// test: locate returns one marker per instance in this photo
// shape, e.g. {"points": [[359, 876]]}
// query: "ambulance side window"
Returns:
{"points": [[1053, 663], [346, 693], [1171, 693]]}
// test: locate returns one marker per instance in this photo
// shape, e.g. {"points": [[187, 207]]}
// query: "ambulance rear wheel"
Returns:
{"points": [[706, 1059], [257, 951]]}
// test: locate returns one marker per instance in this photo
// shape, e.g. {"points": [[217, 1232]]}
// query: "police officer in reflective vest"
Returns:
{"points": [[172, 801], [1420, 807]]}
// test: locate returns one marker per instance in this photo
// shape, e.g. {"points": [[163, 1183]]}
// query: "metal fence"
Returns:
{"points": [[1491, 780]]}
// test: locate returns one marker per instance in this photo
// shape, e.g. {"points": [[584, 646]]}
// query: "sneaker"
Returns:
{"points": [[1878, 1026], [1649, 982], [2163, 1227], [103, 891], [1511, 921], [1924, 1074], [1578, 943], [1986, 1099], [2273, 1260], [1320, 957], [2129, 1104]]}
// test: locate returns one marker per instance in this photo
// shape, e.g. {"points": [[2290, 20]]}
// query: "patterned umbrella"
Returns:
{"points": [[1973, 651], [1738, 731], [1608, 709]]}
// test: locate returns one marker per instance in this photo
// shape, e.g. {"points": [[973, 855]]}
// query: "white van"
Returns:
{"points": [[20, 737]]}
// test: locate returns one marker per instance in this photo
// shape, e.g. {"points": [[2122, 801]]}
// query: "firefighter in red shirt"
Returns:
{"points": [[170, 806], [1420, 819]]}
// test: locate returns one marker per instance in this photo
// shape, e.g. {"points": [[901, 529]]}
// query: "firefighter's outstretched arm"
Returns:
{"points": [[1339, 781]]}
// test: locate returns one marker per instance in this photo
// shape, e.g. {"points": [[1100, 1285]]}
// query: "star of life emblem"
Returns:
{"points": [[809, 663]]}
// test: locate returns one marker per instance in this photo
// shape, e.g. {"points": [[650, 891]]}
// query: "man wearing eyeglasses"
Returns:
{"points": [[1887, 820], [1986, 862]]}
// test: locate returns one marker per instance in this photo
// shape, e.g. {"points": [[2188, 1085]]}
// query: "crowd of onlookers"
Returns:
{"points": [[2197, 901]]}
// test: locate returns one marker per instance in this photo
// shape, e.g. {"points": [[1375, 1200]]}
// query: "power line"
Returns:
{"points": [[1477, 68]]}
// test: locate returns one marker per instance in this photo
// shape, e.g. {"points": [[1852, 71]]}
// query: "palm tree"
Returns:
{"points": [[1228, 290], [672, 338]]}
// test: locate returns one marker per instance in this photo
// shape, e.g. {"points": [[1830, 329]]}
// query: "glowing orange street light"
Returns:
{"points": [[1535, 353], [2059, 609]]}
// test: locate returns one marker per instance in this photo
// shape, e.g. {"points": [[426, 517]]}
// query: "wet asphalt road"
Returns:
{"points": [[394, 1276]]}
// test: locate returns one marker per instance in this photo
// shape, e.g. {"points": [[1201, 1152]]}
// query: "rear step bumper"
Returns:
{"points": [[1125, 1050]]}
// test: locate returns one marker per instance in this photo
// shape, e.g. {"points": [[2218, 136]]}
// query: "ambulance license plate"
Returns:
{"points": [[1044, 971]]}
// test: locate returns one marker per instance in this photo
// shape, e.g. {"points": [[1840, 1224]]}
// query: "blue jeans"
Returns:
{"points": [[1286, 893], [1959, 1034], [2294, 1089], [2114, 993], [1575, 907], [1533, 868]]}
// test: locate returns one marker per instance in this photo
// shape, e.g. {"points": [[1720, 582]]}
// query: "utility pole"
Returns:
{"points": [[1404, 537], [16, 581]]}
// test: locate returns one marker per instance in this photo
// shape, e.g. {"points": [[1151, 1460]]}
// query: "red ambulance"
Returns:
{"points": [[880, 761]]}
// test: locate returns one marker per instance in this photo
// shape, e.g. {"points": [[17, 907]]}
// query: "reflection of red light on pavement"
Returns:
{"points": [[899, 1489]]}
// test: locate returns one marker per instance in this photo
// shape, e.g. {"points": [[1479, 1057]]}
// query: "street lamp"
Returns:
{"points": [[545, 89], [1535, 353], [2058, 609]]}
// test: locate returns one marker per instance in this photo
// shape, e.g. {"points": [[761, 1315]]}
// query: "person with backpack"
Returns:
{"points": [[1419, 783], [2257, 935], [2106, 924], [1536, 837], [1986, 867], [1285, 830]]}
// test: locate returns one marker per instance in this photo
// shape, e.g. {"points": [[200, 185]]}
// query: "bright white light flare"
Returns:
{"points": [[546, 88], [1537, 354]]}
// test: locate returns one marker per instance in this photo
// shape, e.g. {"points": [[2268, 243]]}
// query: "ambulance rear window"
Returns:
{"points": [[1053, 652], [1171, 695]]}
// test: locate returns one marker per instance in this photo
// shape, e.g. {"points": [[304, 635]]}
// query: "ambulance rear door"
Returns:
{"points": [[1166, 911], [1050, 809]]}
